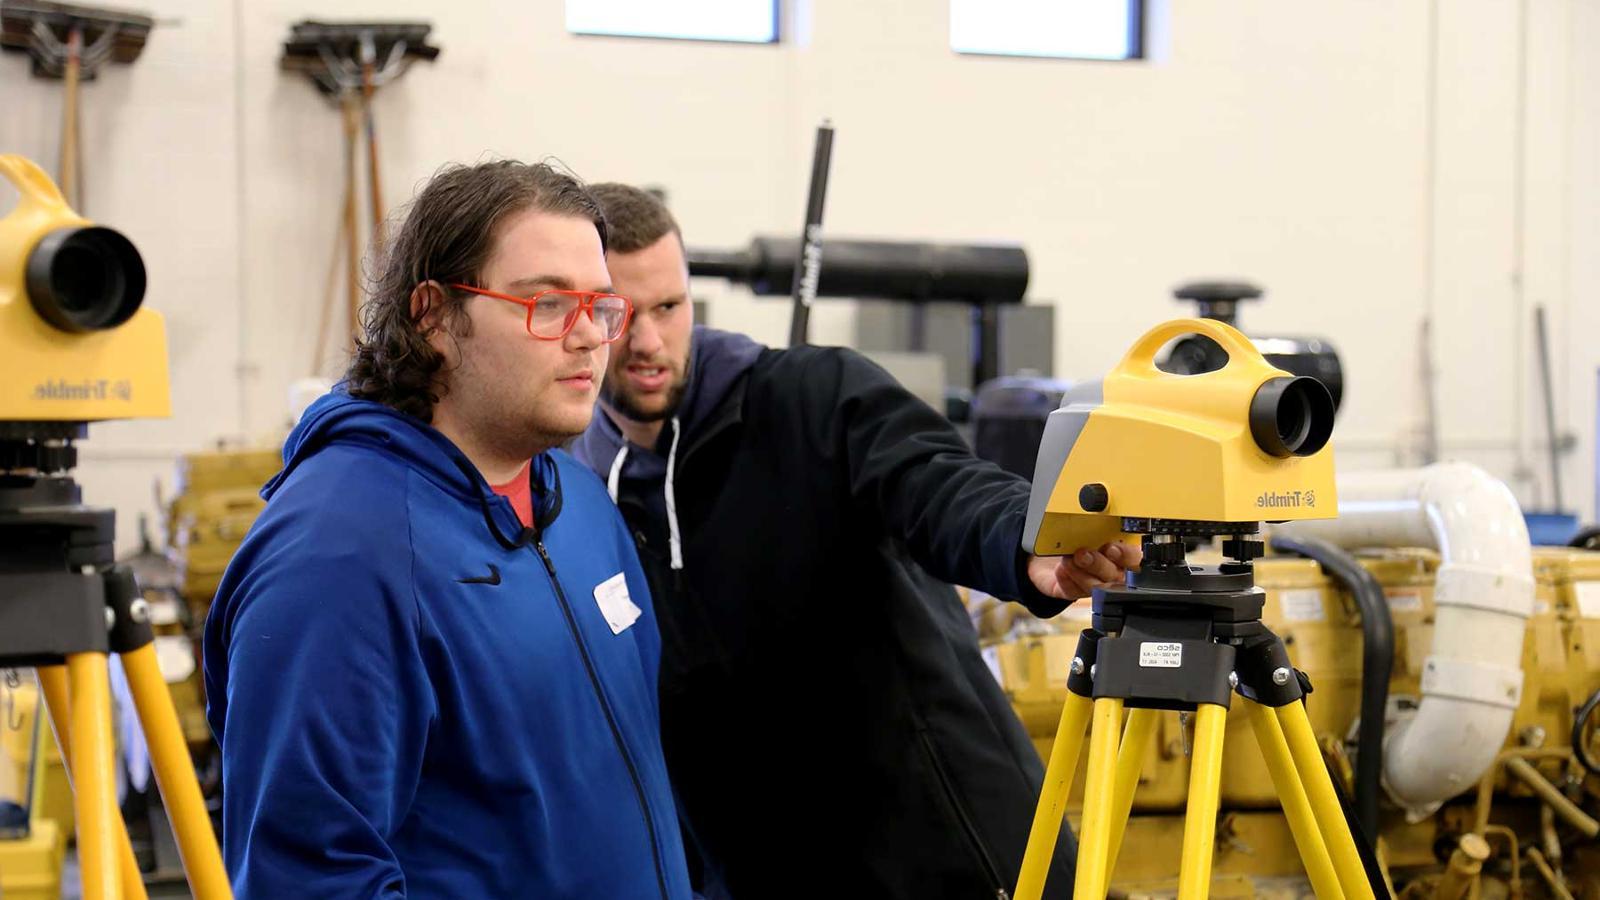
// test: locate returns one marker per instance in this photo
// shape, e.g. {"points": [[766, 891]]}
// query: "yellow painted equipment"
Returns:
{"points": [[76, 347], [1147, 444], [30, 869], [1174, 458], [74, 369], [52, 793], [219, 499], [1320, 625]]}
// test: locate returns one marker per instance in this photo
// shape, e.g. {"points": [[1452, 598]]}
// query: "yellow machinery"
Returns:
{"points": [[219, 498], [30, 863], [1319, 621]]}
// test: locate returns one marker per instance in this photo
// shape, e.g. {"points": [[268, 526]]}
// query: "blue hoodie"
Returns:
{"points": [[417, 697]]}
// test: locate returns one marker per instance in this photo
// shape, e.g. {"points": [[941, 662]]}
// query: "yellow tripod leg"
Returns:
{"points": [[174, 768], [1136, 737], [1205, 787], [1296, 808], [1324, 802], [94, 785], [1053, 797], [53, 679], [1094, 841]]}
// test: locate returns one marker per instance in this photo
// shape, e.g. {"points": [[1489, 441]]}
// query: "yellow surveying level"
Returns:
{"points": [[1173, 458]]}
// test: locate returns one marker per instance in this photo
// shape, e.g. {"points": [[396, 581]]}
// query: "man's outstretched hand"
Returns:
{"points": [[1076, 576]]}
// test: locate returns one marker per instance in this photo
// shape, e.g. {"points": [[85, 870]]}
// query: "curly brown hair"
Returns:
{"points": [[448, 235]]}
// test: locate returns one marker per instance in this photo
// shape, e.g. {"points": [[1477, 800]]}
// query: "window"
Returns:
{"points": [[1079, 29], [745, 21]]}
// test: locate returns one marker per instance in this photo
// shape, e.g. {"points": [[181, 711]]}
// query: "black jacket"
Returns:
{"points": [[829, 724]]}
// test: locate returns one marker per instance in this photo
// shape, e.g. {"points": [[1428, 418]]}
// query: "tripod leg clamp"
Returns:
{"points": [[1080, 679], [130, 629], [1265, 673]]}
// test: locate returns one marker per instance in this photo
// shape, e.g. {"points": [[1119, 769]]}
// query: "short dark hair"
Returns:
{"points": [[637, 218], [448, 235]]}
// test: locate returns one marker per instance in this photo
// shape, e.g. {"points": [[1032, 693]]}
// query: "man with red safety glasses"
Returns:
{"points": [[432, 663]]}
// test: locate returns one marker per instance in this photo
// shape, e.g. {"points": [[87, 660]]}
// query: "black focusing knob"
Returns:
{"points": [[1093, 497]]}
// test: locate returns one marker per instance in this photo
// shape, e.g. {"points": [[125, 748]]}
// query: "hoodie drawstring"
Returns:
{"points": [[614, 478], [522, 538], [616, 471], [675, 541]]}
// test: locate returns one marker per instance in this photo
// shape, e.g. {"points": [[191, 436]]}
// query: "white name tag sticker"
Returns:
{"points": [[1157, 655], [615, 604]]}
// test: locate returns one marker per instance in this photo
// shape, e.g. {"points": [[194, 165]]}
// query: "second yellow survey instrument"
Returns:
{"points": [[76, 347], [1173, 458]]}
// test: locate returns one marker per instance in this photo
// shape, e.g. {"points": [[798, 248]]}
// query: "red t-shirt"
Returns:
{"points": [[520, 494]]}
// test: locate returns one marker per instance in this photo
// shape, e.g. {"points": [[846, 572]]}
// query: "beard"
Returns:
{"points": [[616, 396]]}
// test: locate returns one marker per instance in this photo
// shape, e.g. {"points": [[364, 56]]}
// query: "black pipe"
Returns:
{"points": [[808, 257], [877, 270], [1377, 661]]}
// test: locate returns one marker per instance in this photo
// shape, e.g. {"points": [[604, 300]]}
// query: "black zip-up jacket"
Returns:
{"points": [[829, 724]]}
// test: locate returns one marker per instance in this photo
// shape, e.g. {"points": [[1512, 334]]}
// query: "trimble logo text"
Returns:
{"points": [[1286, 499], [93, 389]]}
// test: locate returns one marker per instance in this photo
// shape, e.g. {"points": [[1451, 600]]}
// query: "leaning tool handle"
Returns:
{"points": [[71, 157], [369, 60]]}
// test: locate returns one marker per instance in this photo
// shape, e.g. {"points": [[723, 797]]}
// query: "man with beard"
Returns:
{"points": [[828, 722]]}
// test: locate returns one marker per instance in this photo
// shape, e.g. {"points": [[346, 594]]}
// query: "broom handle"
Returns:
{"points": [[70, 160], [368, 75], [342, 251], [352, 216]]}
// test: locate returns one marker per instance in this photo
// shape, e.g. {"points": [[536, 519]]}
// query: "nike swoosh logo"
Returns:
{"points": [[492, 578]]}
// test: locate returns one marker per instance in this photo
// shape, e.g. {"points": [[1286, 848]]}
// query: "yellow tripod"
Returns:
{"points": [[78, 696], [63, 614], [1183, 637]]}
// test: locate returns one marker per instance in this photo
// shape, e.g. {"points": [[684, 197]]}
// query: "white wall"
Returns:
{"points": [[1370, 162]]}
